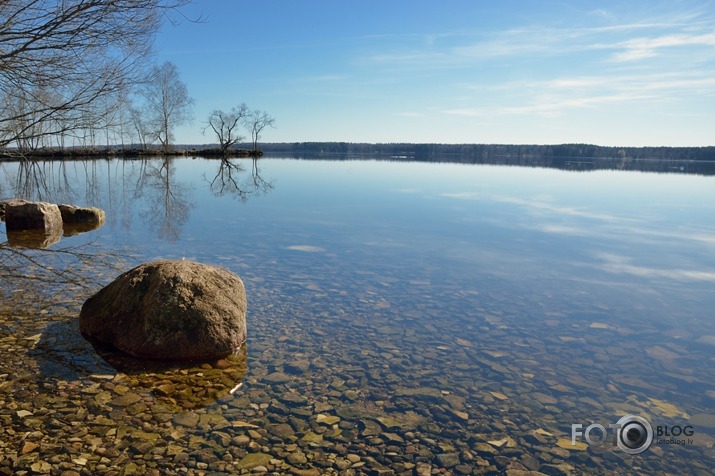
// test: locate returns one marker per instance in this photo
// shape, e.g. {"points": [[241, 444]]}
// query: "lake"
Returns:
{"points": [[404, 318]]}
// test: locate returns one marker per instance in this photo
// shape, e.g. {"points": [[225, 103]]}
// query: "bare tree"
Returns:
{"points": [[225, 124], [168, 103], [81, 50], [256, 122], [141, 129]]}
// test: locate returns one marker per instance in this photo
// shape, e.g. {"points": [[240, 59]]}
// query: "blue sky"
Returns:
{"points": [[637, 72]]}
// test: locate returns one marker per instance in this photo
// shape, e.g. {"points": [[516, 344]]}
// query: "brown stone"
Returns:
{"points": [[80, 219], [169, 310], [26, 215]]}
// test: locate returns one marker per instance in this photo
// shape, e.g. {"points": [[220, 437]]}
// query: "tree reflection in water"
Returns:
{"points": [[168, 200], [228, 180], [117, 186], [43, 273], [148, 188]]}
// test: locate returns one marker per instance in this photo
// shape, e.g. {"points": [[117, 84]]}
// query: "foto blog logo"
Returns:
{"points": [[632, 434]]}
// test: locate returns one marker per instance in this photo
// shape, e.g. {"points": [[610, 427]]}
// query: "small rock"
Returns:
{"points": [[41, 467], [305, 472], [530, 462], [297, 457], [448, 460], [189, 419], [393, 438], [277, 378], [251, 460], [464, 469], [566, 444], [423, 469], [28, 447], [311, 437], [126, 399], [241, 440], [282, 430], [297, 367], [327, 419]]}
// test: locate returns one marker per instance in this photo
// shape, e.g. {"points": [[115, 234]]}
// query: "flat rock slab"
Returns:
{"points": [[169, 310]]}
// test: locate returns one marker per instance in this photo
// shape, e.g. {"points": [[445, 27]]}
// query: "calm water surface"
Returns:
{"points": [[403, 318]]}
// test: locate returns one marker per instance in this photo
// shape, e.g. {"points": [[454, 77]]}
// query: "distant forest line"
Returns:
{"points": [[478, 151], [582, 157]]}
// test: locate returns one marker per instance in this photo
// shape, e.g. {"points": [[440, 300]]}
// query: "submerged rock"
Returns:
{"points": [[26, 215], [169, 310]]}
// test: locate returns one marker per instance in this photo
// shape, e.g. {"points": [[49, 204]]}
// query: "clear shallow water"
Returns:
{"points": [[401, 314]]}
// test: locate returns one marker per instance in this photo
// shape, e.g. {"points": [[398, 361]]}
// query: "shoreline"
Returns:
{"points": [[62, 154]]}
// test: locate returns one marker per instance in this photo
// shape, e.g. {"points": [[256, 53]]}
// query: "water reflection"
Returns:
{"points": [[62, 269], [33, 238], [148, 188], [44, 238], [169, 200], [227, 180], [660, 161]]}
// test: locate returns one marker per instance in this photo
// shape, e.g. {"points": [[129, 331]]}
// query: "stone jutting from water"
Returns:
{"points": [[26, 215], [169, 310], [72, 215], [80, 219]]}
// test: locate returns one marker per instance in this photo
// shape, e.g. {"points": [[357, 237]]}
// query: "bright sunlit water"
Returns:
{"points": [[484, 308]]}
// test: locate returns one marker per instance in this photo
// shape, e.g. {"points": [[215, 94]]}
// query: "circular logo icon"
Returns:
{"points": [[634, 434]]}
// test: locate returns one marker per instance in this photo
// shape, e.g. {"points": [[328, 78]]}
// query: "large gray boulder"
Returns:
{"points": [[169, 310], [26, 215]]}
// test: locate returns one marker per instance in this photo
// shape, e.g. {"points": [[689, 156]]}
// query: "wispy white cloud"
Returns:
{"points": [[618, 264], [540, 206], [409, 114], [555, 209], [639, 235], [469, 112], [642, 48], [625, 67], [564, 230], [556, 96], [553, 105], [461, 49]]}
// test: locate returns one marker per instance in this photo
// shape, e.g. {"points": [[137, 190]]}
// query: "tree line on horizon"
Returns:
{"points": [[80, 74], [572, 157], [468, 152]]}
